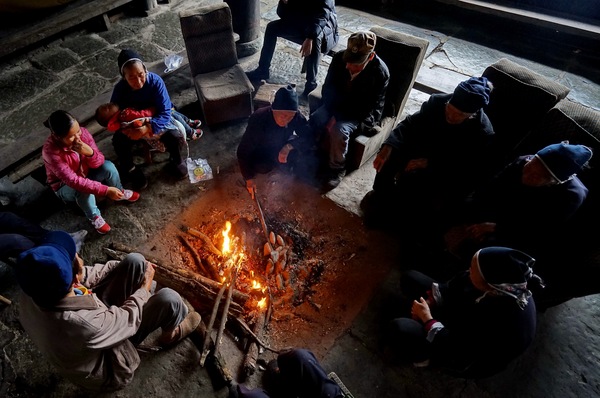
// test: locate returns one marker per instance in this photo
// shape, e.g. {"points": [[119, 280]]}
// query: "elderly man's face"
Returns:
{"points": [[535, 174], [455, 115], [355, 68], [282, 118]]}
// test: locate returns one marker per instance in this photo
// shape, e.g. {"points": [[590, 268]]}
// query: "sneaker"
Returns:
{"points": [[195, 124], [130, 196], [257, 74], [101, 226], [187, 326], [197, 134], [79, 237]]}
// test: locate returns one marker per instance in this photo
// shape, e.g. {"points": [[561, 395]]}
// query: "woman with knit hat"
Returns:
{"points": [[141, 90], [473, 325], [272, 134], [434, 157]]}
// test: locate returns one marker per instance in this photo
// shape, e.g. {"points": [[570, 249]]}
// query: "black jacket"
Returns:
{"points": [[317, 17], [361, 99]]}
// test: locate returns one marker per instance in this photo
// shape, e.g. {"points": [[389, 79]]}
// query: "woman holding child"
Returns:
{"points": [[143, 90]]}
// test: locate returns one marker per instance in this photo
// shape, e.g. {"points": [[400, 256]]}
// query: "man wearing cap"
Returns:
{"points": [[87, 321], [435, 156], [353, 99], [526, 206], [141, 90], [475, 324], [272, 134], [310, 22]]}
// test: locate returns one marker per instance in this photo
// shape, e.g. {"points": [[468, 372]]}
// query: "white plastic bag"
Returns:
{"points": [[172, 62], [198, 170]]}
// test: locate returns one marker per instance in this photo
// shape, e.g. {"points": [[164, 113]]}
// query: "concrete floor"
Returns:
{"points": [[67, 71]]}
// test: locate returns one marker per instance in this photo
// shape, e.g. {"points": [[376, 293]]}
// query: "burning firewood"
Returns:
{"points": [[253, 350], [205, 239]]}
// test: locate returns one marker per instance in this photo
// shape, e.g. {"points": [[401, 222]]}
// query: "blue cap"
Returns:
{"points": [[564, 160], [471, 95], [45, 272]]}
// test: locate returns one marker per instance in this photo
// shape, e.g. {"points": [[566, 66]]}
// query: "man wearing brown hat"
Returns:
{"points": [[272, 135], [87, 321], [353, 99], [434, 157]]}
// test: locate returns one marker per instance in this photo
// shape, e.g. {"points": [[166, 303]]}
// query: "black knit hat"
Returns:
{"points": [[286, 99], [125, 56], [471, 95], [500, 265]]}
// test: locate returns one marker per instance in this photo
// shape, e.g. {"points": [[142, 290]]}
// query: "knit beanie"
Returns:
{"points": [[45, 272], [286, 99], [471, 95], [125, 56], [501, 265], [564, 160]]}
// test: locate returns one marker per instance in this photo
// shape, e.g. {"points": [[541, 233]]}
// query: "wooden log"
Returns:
{"points": [[252, 354], [226, 309], [196, 292], [205, 239], [208, 271], [213, 316], [238, 296]]}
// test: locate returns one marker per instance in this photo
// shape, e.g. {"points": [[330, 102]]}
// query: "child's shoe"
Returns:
{"points": [[101, 226], [130, 196], [195, 124]]}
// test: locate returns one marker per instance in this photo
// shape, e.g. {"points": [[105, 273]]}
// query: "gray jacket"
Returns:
{"points": [[83, 338]]}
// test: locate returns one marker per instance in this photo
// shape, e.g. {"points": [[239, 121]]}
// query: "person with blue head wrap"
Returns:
{"points": [[433, 158]]}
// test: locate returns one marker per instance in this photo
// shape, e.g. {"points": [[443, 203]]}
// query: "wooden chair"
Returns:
{"points": [[224, 91], [403, 54]]}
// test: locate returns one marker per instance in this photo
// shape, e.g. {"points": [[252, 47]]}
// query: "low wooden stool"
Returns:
{"points": [[265, 94]]}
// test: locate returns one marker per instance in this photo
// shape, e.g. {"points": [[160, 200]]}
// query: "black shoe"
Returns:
{"points": [[334, 178], [258, 74], [179, 171], [138, 179], [308, 88]]}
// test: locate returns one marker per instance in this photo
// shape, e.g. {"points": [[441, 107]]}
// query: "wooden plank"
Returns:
{"points": [[17, 160], [562, 24], [69, 16], [433, 79]]}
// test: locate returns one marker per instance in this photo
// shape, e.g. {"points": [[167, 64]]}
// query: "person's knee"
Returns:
{"points": [[295, 358], [135, 261]]}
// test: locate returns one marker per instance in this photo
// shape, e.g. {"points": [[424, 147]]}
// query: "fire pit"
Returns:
{"points": [[300, 284]]}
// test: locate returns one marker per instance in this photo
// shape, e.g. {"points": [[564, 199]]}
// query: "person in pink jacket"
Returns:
{"points": [[77, 171]]}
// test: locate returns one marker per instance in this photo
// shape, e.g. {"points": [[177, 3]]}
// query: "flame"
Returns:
{"points": [[256, 285], [262, 303], [226, 240]]}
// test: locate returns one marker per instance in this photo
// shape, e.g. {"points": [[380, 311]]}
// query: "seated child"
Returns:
{"points": [[110, 116]]}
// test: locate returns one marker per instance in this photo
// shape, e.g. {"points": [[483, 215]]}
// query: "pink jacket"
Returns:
{"points": [[66, 167], [84, 339]]}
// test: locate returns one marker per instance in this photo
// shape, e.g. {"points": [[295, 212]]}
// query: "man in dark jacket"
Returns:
{"points": [[272, 133], [435, 156], [310, 22], [353, 99]]}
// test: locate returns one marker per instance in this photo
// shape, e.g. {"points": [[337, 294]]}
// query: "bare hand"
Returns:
{"points": [[114, 193], [284, 152], [382, 157], [79, 267], [416, 164], [420, 310], [479, 232], [148, 276], [306, 48], [251, 187], [82, 148]]}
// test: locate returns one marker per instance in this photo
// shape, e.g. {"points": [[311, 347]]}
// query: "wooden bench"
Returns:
{"points": [[17, 161]]}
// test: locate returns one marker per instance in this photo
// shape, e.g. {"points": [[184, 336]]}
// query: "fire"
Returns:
{"points": [[256, 285], [262, 303], [226, 240]]}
